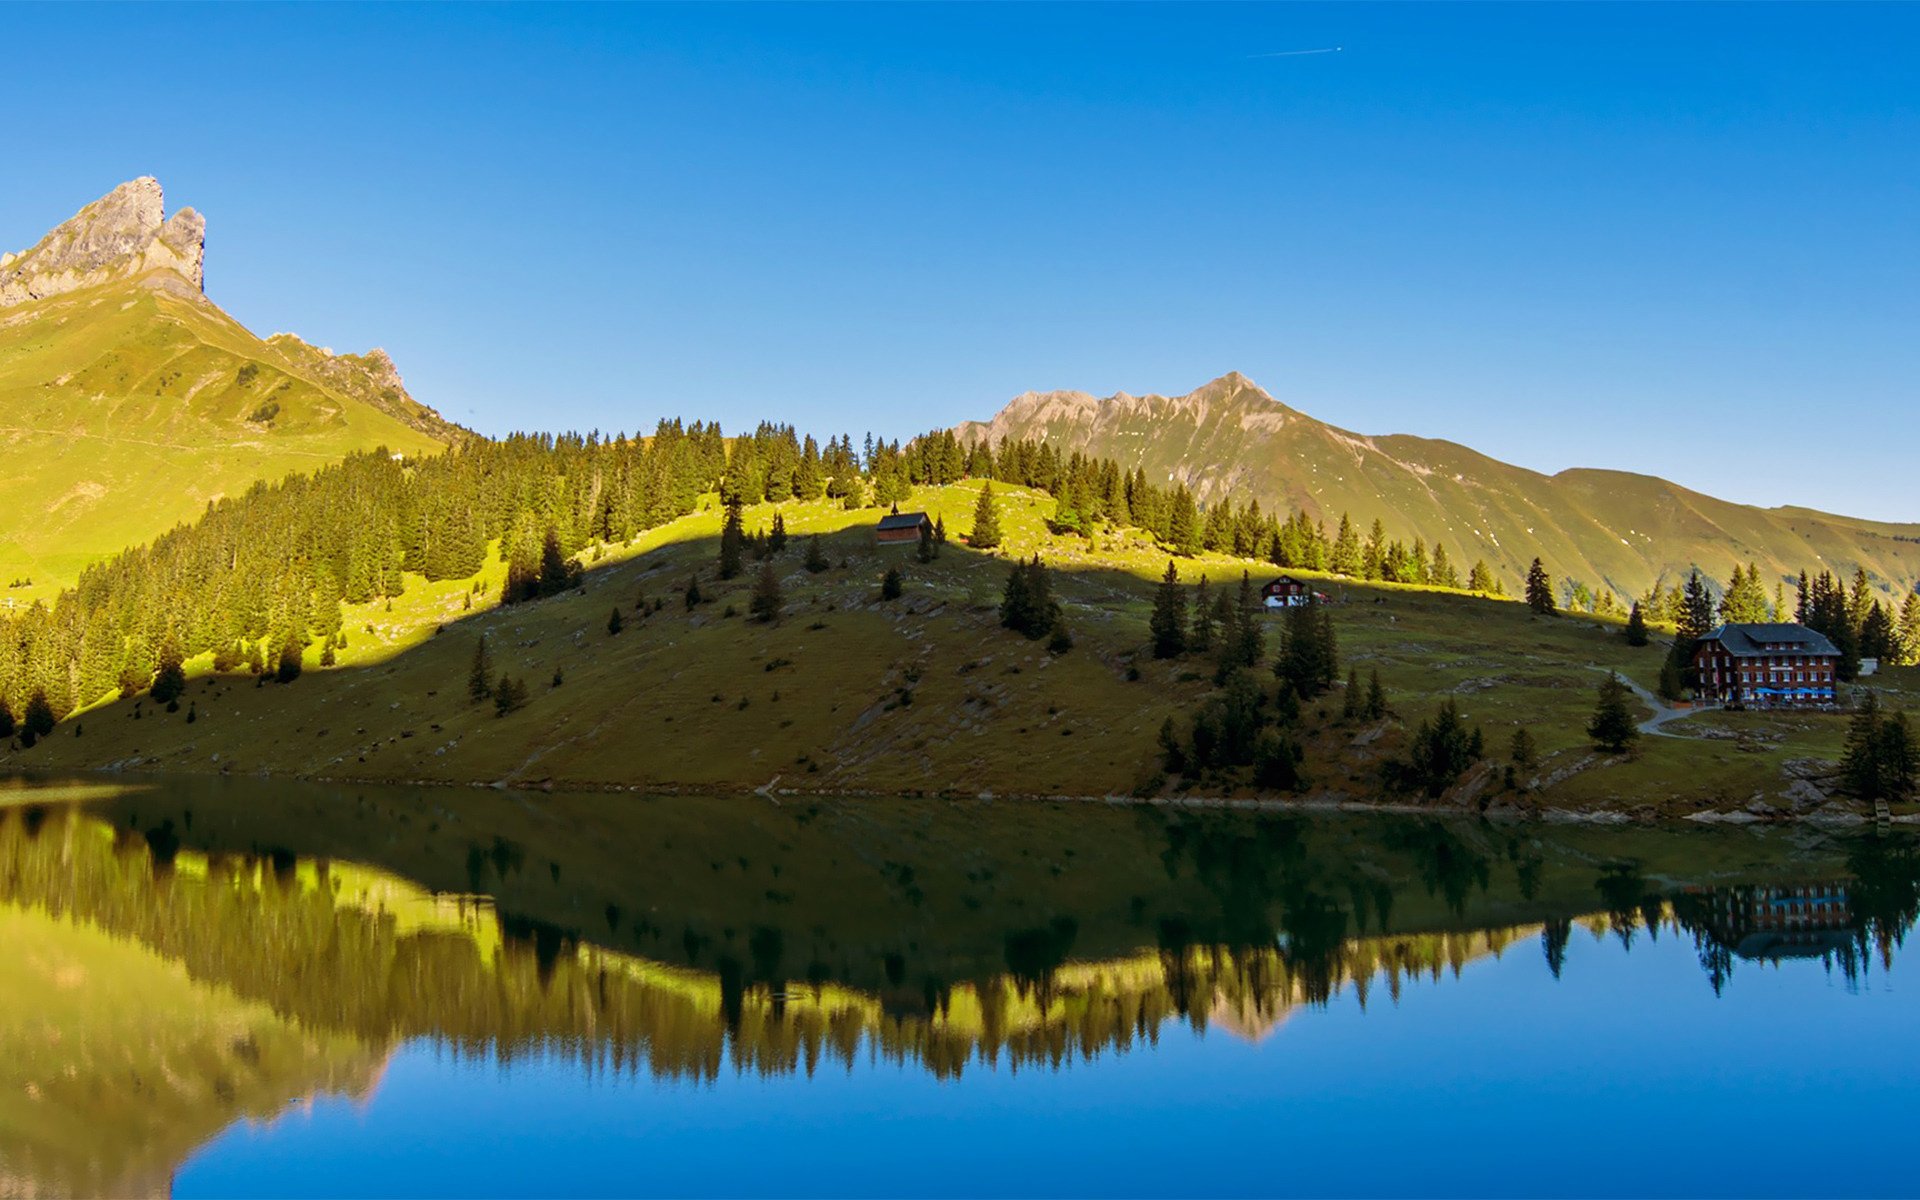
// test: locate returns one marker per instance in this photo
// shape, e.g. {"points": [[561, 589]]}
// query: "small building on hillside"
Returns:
{"points": [[1288, 592], [901, 528], [1767, 666]]}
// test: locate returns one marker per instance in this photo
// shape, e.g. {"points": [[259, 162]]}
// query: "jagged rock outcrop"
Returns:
{"points": [[125, 233]]}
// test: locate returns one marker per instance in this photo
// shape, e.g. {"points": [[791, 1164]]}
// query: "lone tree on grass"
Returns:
{"points": [[1540, 590], [1168, 625], [733, 539], [986, 521], [1636, 634], [765, 605], [816, 560], [928, 550], [892, 584], [37, 721], [1613, 728], [1027, 606], [480, 677], [614, 623]]}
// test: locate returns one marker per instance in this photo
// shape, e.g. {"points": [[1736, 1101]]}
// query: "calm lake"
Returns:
{"points": [[238, 988]]}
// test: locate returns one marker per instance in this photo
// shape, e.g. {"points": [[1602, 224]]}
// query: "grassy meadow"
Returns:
{"points": [[922, 694]]}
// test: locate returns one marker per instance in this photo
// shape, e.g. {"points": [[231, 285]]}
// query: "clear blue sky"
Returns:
{"points": [[1671, 239]]}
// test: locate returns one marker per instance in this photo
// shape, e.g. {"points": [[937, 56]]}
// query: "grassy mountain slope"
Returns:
{"points": [[1606, 528], [125, 408], [926, 693]]}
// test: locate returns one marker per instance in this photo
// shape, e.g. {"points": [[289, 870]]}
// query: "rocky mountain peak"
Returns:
{"points": [[124, 234]]}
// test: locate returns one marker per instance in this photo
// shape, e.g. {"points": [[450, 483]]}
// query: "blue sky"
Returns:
{"points": [[1680, 240]]}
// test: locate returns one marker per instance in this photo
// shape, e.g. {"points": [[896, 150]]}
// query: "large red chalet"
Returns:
{"points": [[1766, 666]]}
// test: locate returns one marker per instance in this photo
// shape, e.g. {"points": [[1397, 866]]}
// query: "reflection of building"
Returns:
{"points": [[1772, 923]]}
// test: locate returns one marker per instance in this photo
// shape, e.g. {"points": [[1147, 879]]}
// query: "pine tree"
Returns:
{"points": [[1860, 766], [1168, 625], [170, 681], [1308, 661], [1523, 754], [38, 720], [986, 521], [1613, 728], [733, 539], [1636, 634], [777, 536], [925, 551], [892, 584], [480, 677], [1540, 590], [1481, 578], [614, 623], [765, 605], [1376, 706], [1909, 655], [1027, 607], [1353, 702], [509, 694], [1183, 524], [287, 668], [1205, 619], [816, 560], [1348, 559]]}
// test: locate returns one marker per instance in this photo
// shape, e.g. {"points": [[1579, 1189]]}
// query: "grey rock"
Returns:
{"points": [[124, 234]]}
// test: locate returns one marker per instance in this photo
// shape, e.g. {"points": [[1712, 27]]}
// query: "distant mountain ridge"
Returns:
{"points": [[1610, 529], [128, 400]]}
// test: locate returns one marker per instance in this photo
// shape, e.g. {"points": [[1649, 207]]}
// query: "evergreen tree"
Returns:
{"points": [[509, 695], [1059, 638], [693, 597], [287, 668], [925, 551], [170, 681], [614, 623], [1481, 578], [1205, 619], [986, 521], [765, 605], [38, 720], [777, 536], [1882, 759], [1696, 612], [1636, 634], [558, 573], [1613, 728], [1308, 661], [1909, 655], [1376, 706], [1168, 625], [892, 585], [1440, 752], [1523, 755], [480, 677], [1353, 700], [816, 560], [1540, 590], [1879, 639], [1027, 606], [1348, 559], [733, 539]]}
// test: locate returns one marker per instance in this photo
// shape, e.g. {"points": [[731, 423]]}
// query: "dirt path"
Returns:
{"points": [[1662, 712]]}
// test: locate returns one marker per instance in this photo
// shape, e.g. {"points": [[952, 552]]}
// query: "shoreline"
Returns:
{"points": [[1320, 803]]}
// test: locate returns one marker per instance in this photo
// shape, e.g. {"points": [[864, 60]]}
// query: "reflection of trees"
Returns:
{"points": [[336, 947]]}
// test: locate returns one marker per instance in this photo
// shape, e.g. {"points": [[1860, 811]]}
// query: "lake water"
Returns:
{"points": [[225, 988]]}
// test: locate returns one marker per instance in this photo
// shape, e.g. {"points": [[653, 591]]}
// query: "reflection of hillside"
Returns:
{"points": [[682, 939], [347, 948], [114, 1064]]}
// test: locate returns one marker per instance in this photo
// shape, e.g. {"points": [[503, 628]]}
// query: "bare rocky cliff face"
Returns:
{"points": [[124, 234]]}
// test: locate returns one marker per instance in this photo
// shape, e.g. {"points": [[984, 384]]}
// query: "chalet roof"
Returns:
{"points": [[1750, 641], [908, 520]]}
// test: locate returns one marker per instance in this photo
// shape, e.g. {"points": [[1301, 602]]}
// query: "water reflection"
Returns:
{"points": [[301, 934]]}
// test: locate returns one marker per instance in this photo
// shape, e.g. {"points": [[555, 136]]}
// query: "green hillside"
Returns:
{"points": [[924, 693], [1608, 529], [128, 400]]}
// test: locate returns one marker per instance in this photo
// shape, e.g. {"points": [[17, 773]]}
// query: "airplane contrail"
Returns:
{"points": [[1296, 53]]}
